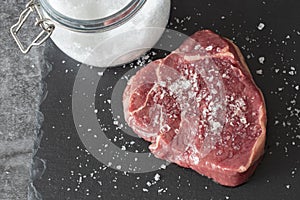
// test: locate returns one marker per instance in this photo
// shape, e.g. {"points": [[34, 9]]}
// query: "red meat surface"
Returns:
{"points": [[200, 108]]}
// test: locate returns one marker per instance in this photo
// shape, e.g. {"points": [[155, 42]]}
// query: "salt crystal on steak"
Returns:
{"points": [[200, 109]]}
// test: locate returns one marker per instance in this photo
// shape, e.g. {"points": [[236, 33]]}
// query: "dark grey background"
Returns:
{"points": [[70, 172]]}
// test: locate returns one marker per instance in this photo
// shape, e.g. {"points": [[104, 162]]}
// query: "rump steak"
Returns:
{"points": [[200, 108]]}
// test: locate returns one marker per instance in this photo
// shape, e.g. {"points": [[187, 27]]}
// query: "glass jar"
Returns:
{"points": [[98, 32]]}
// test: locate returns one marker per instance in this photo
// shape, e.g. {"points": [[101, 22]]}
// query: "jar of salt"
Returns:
{"points": [[97, 32]]}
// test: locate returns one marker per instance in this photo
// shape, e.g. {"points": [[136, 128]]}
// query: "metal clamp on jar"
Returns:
{"points": [[97, 32]]}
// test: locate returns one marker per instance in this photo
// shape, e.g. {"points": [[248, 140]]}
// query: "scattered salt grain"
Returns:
{"points": [[132, 142], [259, 72], [163, 166], [261, 60], [160, 190], [157, 177], [292, 73], [165, 128], [209, 48], [148, 184], [118, 167], [260, 26], [100, 73]]}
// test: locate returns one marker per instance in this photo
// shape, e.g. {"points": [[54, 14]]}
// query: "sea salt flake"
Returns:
{"points": [[259, 71], [132, 142], [157, 177], [260, 26], [209, 48], [163, 166], [197, 47], [118, 167], [160, 190], [261, 60], [165, 128], [292, 73], [243, 120], [148, 183]]}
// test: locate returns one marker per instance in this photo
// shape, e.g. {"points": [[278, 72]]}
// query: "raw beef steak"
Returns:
{"points": [[200, 109]]}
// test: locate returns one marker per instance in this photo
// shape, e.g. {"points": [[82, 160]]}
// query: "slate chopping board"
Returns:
{"points": [[268, 33]]}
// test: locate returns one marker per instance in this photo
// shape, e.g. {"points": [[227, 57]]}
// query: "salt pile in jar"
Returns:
{"points": [[113, 47]]}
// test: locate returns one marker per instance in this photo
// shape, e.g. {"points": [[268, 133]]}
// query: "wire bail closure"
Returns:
{"points": [[44, 23]]}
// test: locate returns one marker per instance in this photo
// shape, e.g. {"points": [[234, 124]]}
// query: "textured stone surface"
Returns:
{"points": [[20, 88]]}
